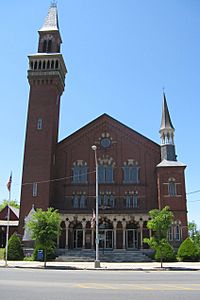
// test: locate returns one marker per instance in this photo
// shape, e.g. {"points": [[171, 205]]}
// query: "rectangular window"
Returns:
{"points": [[35, 189]]}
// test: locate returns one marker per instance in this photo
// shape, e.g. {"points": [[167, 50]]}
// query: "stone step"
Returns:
{"points": [[107, 256]]}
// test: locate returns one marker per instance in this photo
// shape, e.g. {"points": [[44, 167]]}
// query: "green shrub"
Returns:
{"points": [[188, 251], [15, 251], [2, 253], [168, 253], [50, 253]]}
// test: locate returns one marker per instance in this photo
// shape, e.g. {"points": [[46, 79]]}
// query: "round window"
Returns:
{"points": [[105, 142]]}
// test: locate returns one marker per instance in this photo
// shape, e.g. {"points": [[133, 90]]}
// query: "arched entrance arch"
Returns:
{"points": [[78, 236], [132, 235], [105, 234]]}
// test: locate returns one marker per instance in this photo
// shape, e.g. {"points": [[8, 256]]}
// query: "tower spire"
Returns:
{"points": [[167, 133], [51, 20], [50, 38], [166, 127]]}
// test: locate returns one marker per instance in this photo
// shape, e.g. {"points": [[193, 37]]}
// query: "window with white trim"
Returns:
{"points": [[35, 189], [79, 172], [171, 187], [39, 124], [131, 171]]}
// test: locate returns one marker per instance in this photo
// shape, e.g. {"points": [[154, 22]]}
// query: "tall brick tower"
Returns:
{"points": [[46, 76], [171, 178]]}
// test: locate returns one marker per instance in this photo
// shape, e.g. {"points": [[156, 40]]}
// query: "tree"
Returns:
{"points": [[15, 251], [4, 203], [194, 234], [45, 228], [188, 251], [160, 223]]}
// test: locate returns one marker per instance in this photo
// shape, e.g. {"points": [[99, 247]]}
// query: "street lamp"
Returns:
{"points": [[97, 261]]}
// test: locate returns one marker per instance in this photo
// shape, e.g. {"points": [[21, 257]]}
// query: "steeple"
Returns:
{"points": [[46, 76], [167, 134], [50, 39], [51, 21]]}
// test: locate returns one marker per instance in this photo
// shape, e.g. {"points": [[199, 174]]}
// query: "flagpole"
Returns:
{"points": [[8, 220]]}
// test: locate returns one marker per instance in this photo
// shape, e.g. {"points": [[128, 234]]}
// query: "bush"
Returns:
{"points": [[50, 253], [15, 251], [168, 253], [188, 251]]}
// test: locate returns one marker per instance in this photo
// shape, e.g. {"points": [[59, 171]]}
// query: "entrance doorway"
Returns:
{"points": [[132, 239], [78, 238], [105, 235], [106, 239]]}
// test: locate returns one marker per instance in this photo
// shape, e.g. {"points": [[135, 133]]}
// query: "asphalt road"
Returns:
{"points": [[33, 284]]}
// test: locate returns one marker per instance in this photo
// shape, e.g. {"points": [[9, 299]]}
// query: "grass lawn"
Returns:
{"points": [[1, 253]]}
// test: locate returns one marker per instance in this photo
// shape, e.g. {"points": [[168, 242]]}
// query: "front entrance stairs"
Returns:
{"points": [[117, 255]]}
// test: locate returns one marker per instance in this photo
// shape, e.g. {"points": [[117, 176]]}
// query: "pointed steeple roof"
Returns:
{"points": [[51, 21], [166, 122]]}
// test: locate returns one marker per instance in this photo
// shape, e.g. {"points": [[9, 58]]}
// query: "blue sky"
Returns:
{"points": [[119, 54]]}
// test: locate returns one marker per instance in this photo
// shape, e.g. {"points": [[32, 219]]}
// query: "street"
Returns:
{"points": [[29, 284]]}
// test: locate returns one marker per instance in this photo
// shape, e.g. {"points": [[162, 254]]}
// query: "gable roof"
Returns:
{"points": [[105, 117], [13, 209]]}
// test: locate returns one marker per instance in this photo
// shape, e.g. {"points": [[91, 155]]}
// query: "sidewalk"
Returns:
{"points": [[150, 266]]}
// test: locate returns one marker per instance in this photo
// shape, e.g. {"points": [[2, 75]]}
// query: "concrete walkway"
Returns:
{"points": [[150, 266]]}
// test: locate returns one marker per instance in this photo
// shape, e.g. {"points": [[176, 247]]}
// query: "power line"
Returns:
{"points": [[193, 192], [72, 176], [194, 201]]}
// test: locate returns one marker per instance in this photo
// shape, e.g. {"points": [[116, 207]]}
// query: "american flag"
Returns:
{"points": [[92, 221], [9, 182]]}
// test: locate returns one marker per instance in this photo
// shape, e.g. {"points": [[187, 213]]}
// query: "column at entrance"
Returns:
{"points": [[141, 233], [115, 234], [84, 228], [67, 234], [124, 234], [92, 241]]}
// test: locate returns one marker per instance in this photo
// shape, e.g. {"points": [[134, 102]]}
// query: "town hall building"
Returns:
{"points": [[135, 174]]}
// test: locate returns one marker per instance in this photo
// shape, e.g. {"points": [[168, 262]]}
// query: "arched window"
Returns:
{"points": [[75, 201], [44, 49], [131, 200], [52, 64], [35, 189], [82, 201], [105, 170], [35, 65], [79, 172], [106, 200], [171, 187], [177, 232], [48, 64], [44, 64], [79, 200], [131, 171], [56, 64], [39, 124], [49, 46], [170, 234]]}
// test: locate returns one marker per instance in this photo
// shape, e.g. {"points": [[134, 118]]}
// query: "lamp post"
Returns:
{"points": [[97, 261]]}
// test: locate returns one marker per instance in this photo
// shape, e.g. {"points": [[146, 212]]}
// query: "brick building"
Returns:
{"points": [[135, 174]]}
